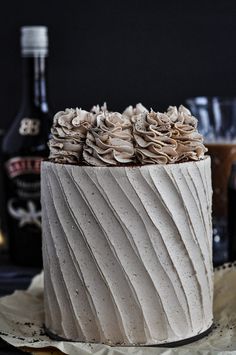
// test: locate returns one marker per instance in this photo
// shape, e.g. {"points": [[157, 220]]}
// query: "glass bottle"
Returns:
{"points": [[24, 147]]}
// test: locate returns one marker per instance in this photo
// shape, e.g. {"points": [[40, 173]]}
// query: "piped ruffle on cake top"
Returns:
{"points": [[135, 137]]}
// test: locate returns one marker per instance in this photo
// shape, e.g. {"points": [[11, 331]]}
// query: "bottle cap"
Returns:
{"points": [[34, 40]]}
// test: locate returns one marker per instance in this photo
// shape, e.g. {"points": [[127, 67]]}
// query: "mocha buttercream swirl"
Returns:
{"points": [[132, 112], [189, 141], [103, 138], [153, 142], [69, 132], [111, 142], [97, 109], [162, 138]]}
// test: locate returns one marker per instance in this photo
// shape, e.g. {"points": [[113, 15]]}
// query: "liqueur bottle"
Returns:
{"points": [[24, 147]]}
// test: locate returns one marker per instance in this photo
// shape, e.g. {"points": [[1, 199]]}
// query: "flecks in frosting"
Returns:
{"points": [[69, 132], [162, 138], [133, 112], [189, 141], [110, 143], [134, 248], [153, 143], [137, 136]]}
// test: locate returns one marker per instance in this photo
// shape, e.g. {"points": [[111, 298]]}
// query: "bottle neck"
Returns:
{"points": [[34, 90]]}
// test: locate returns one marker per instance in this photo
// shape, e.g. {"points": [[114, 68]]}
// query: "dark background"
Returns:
{"points": [[123, 52]]}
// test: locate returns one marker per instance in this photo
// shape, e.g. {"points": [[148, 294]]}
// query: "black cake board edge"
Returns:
{"points": [[174, 344]]}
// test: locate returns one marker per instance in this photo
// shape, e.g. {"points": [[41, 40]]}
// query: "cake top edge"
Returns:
{"points": [[137, 136], [204, 160]]}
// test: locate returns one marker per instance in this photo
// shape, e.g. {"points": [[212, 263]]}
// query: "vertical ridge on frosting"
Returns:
{"points": [[123, 302], [82, 252], [157, 241], [196, 237], [57, 253], [164, 216], [133, 244], [116, 198], [122, 238]]}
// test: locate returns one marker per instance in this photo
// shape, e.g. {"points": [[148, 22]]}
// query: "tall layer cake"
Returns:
{"points": [[126, 202]]}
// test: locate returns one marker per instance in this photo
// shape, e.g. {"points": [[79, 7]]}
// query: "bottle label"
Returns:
{"points": [[23, 204], [29, 127]]}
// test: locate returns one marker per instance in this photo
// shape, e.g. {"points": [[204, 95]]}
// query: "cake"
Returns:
{"points": [[126, 213]]}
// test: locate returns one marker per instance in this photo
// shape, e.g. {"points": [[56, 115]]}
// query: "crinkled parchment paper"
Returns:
{"points": [[22, 314]]}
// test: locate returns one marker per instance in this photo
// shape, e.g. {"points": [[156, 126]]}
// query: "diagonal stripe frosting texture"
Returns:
{"points": [[127, 252]]}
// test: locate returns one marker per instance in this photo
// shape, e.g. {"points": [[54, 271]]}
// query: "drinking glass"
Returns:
{"points": [[217, 123]]}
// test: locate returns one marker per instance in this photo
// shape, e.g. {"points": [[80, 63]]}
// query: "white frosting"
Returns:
{"points": [[127, 252]]}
